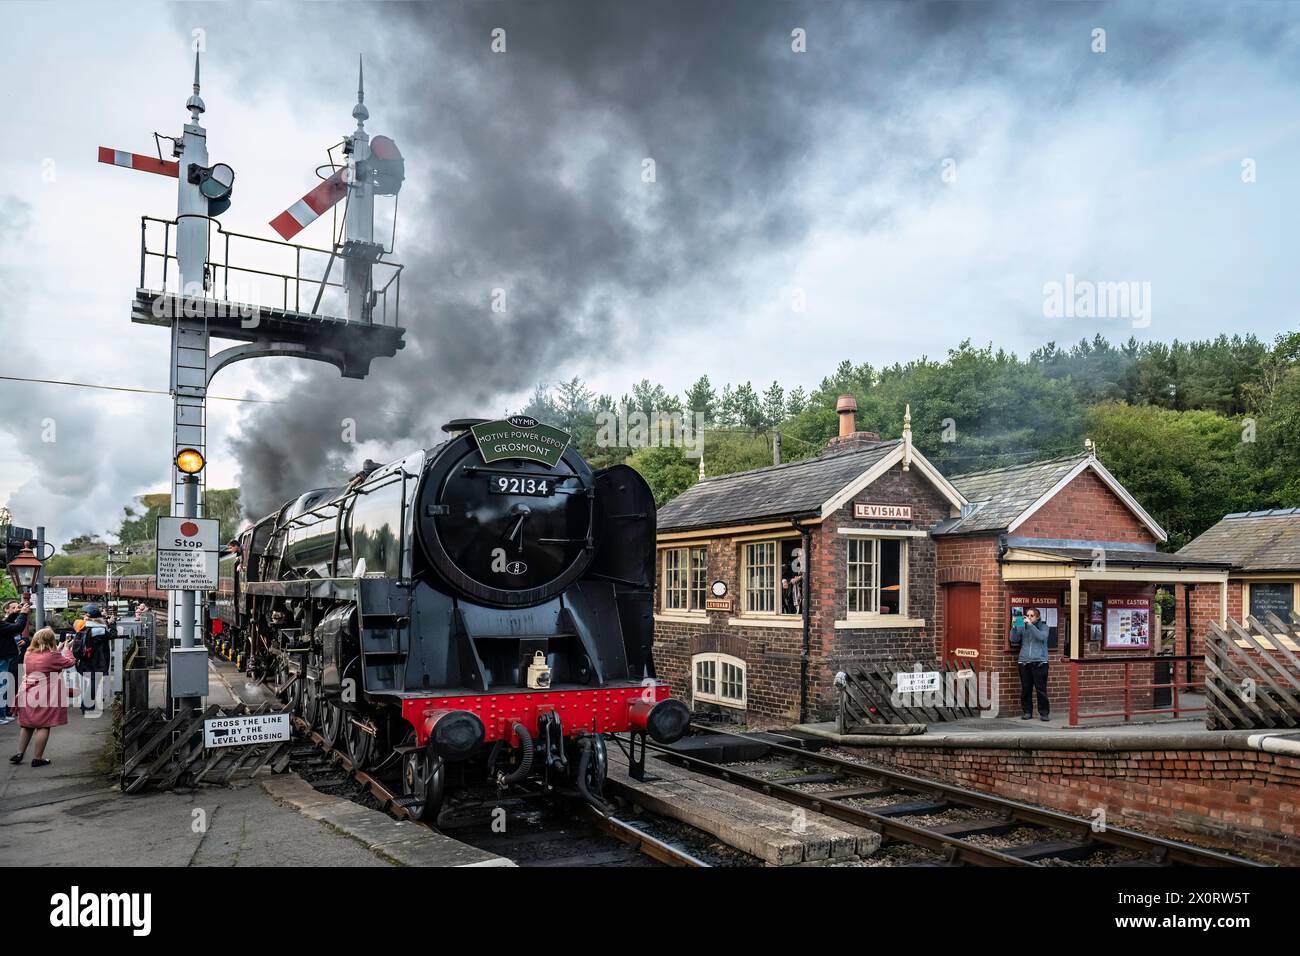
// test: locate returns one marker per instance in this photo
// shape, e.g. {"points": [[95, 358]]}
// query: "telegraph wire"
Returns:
{"points": [[128, 388]]}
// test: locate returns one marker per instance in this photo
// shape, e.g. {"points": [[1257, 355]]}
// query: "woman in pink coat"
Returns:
{"points": [[42, 697]]}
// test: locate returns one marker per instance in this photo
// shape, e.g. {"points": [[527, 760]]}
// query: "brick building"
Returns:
{"points": [[1264, 549], [772, 580]]}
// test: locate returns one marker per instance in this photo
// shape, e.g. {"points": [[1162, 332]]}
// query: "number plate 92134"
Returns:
{"points": [[521, 485]]}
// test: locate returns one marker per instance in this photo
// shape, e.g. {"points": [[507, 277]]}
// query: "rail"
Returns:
{"points": [[1129, 710], [298, 291], [919, 796]]}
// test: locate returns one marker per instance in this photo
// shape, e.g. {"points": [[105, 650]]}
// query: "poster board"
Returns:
{"points": [[1128, 623], [1049, 612], [1275, 597]]}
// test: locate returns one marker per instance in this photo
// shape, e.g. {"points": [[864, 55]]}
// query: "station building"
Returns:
{"points": [[1264, 549], [772, 580]]}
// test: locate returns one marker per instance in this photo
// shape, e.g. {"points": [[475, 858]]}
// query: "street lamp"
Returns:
{"points": [[23, 570]]}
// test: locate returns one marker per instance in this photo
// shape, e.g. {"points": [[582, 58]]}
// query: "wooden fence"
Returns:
{"points": [[1253, 674], [159, 752], [869, 697]]}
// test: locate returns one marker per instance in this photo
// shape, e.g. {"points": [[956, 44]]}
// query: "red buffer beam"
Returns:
{"points": [[145, 164]]}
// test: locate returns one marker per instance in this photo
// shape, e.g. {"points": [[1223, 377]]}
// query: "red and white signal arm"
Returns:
{"points": [[188, 552]]}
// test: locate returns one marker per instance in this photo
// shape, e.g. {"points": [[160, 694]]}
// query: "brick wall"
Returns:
{"points": [[1086, 509], [839, 647], [1238, 800], [772, 654]]}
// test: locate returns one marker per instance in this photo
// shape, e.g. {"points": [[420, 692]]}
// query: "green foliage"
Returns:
{"points": [[667, 470], [7, 590], [1194, 429], [1182, 466]]}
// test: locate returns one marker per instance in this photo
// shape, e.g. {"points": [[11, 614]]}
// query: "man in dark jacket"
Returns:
{"points": [[12, 646], [93, 649]]}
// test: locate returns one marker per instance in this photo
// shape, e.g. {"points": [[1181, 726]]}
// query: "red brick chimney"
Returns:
{"points": [[849, 438]]}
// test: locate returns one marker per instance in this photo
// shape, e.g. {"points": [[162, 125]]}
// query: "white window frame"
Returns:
{"points": [[720, 663], [685, 571], [873, 614], [674, 584], [774, 591]]}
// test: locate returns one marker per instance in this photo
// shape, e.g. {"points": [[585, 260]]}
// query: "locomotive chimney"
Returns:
{"points": [[847, 407]]}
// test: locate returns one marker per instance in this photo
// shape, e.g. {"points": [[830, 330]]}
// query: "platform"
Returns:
{"points": [[72, 813], [762, 827], [1016, 734]]}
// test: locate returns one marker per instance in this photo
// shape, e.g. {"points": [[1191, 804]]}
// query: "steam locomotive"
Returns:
{"points": [[483, 607]]}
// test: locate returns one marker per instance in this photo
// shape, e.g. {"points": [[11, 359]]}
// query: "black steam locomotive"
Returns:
{"points": [[484, 606]]}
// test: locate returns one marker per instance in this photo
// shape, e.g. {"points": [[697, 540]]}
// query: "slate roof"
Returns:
{"points": [[778, 491], [1253, 540], [1131, 557], [1003, 494]]}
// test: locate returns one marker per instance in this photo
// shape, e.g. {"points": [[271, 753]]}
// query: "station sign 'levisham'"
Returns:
{"points": [[879, 512], [520, 436]]}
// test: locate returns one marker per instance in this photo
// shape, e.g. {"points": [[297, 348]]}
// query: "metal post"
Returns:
{"points": [[40, 580], [776, 447], [189, 509]]}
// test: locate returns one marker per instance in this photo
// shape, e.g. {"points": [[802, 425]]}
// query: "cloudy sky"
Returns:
{"points": [[863, 181]]}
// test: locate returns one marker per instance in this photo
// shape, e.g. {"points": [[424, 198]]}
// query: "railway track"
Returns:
{"points": [[567, 845], [951, 825]]}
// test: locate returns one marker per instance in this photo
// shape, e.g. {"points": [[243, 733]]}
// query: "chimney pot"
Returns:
{"points": [[846, 406]]}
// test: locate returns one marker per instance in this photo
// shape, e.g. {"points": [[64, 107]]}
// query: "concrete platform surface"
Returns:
{"points": [[1016, 734], [72, 814], [774, 832]]}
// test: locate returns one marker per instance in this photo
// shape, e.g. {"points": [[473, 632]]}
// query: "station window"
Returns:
{"points": [[773, 583], [876, 575], [719, 679], [685, 580]]}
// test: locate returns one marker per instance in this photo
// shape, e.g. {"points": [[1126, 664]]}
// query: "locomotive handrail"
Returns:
{"points": [[475, 469]]}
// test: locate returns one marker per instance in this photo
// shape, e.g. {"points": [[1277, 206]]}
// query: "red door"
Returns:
{"points": [[961, 624]]}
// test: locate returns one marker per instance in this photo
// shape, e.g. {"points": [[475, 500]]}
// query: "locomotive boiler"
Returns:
{"points": [[479, 610]]}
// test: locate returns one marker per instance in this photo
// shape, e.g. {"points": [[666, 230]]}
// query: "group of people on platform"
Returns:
{"points": [[41, 696]]}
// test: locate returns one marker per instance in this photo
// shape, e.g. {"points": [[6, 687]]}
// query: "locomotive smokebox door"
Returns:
{"points": [[539, 673]]}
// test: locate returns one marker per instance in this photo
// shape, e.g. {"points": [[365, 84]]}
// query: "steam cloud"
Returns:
{"points": [[525, 172]]}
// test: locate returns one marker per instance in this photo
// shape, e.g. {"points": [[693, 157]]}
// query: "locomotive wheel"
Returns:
{"points": [[311, 701], [331, 722], [597, 766], [360, 744], [423, 781]]}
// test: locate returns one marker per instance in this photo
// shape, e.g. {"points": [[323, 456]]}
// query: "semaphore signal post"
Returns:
{"points": [[191, 274]]}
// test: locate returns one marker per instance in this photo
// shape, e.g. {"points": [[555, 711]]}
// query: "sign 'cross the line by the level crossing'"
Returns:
{"points": [[145, 164]]}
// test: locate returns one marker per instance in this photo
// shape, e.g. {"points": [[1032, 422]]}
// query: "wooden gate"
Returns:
{"points": [[1253, 674], [159, 752], [869, 698]]}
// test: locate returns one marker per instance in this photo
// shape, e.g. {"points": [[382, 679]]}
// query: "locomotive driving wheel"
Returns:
{"points": [[331, 722], [311, 700], [423, 781], [360, 742]]}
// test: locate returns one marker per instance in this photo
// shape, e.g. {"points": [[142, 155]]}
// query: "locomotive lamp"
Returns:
{"points": [[23, 569], [189, 461]]}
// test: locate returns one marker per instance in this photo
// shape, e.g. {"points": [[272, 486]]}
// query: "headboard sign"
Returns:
{"points": [[880, 512]]}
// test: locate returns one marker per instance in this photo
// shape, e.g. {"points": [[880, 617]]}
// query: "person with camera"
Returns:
{"points": [[12, 645], [92, 648], [1031, 637], [42, 699]]}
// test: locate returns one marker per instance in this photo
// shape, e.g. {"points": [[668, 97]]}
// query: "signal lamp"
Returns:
{"points": [[189, 461]]}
